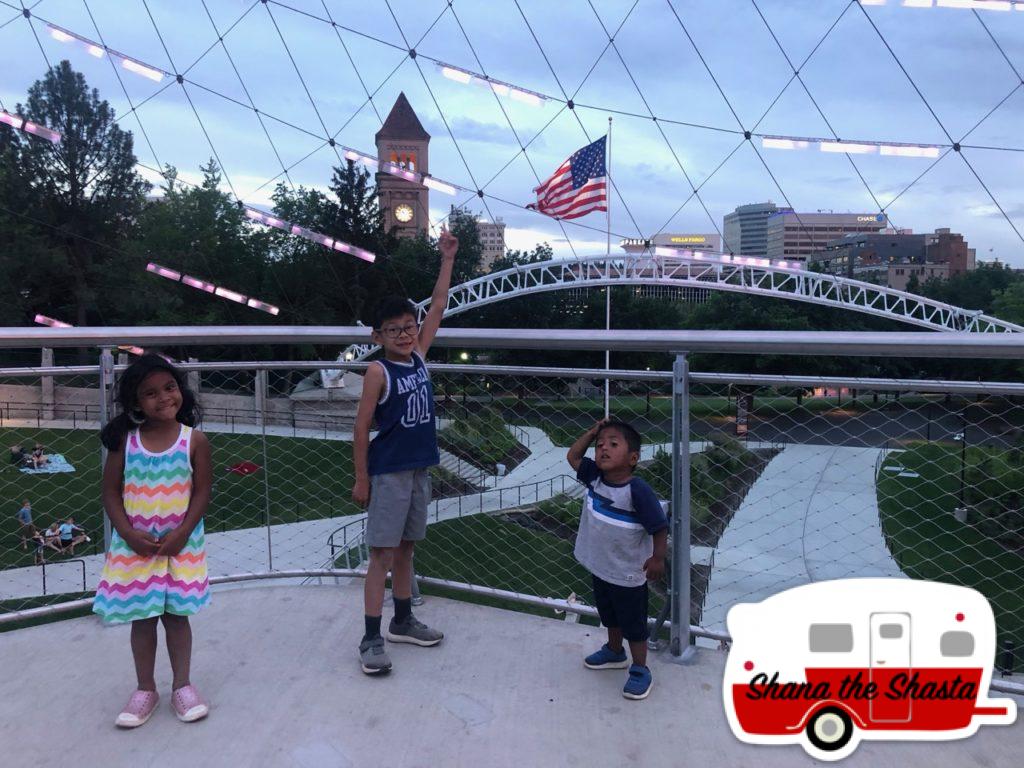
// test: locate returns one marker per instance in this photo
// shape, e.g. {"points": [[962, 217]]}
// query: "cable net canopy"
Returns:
{"points": [[844, 106]]}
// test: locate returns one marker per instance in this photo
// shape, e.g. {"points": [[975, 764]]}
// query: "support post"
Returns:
{"points": [[46, 389], [680, 649], [106, 413]]}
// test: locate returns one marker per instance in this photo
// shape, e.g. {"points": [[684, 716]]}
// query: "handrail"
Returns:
{"points": [[500, 491], [845, 343], [63, 562]]}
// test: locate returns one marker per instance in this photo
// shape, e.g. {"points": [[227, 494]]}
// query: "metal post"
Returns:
{"points": [[266, 468], [414, 585], [106, 411], [679, 643]]}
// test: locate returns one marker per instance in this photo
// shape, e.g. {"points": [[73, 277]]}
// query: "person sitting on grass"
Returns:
{"points": [[70, 535], [622, 541], [39, 457], [18, 456], [51, 536]]}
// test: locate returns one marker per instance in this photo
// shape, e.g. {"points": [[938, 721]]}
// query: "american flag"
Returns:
{"points": [[579, 186]]}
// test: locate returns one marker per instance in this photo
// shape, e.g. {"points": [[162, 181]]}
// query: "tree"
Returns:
{"points": [[83, 191]]}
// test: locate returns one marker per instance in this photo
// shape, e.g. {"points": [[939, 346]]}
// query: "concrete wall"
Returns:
{"points": [[26, 401]]}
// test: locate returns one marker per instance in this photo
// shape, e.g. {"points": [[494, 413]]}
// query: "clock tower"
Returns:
{"points": [[402, 141]]}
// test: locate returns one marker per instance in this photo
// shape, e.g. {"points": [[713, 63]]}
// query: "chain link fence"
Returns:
{"points": [[791, 480]]}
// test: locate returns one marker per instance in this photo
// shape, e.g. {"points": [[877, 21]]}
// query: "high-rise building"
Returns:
{"points": [[746, 229], [796, 236], [403, 141], [492, 237]]}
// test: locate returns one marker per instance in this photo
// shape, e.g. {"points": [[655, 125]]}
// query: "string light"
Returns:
{"points": [[93, 48], [894, 149], [44, 320], [23, 124], [467, 77], [969, 5], [723, 258], [316, 237], [207, 287]]}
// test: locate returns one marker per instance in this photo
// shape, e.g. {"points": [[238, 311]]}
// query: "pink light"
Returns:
{"points": [[141, 69], [255, 215], [44, 320], [19, 122], [848, 147], [42, 132], [170, 274], [270, 221], [359, 253], [226, 294], [457, 75], [257, 304], [359, 157], [903, 151], [770, 142], [499, 88], [440, 186], [95, 50], [533, 99], [195, 282], [660, 250], [402, 173], [60, 35], [323, 240]]}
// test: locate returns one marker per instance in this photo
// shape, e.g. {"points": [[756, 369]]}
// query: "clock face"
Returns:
{"points": [[404, 213]]}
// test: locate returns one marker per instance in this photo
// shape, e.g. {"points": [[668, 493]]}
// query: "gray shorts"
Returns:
{"points": [[398, 507]]}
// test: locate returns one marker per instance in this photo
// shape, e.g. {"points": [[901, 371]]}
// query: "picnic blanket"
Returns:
{"points": [[56, 464], [244, 468]]}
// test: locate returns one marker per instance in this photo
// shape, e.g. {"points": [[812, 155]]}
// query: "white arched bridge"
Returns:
{"points": [[753, 276]]}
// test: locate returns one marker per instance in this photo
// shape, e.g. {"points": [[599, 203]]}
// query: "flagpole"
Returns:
{"points": [[608, 254]]}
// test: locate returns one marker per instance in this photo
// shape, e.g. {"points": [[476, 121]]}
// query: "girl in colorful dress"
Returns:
{"points": [[156, 487]]}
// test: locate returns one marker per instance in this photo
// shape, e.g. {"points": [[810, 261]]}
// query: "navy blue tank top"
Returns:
{"points": [[407, 435]]}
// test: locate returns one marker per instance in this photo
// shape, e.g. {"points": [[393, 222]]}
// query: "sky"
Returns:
{"points": [[709, 70]]}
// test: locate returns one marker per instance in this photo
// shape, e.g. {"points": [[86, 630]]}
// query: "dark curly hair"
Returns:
{"points": [[116, 430]]}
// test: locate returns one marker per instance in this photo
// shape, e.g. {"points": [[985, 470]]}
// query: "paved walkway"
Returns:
{"points": [[504, 690], [811, 515]]}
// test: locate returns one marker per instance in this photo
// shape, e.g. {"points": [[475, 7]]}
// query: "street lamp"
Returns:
{"points": [[464, 356]]}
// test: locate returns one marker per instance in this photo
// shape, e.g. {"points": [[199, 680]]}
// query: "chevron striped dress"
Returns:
{"points": [[157, 487]]}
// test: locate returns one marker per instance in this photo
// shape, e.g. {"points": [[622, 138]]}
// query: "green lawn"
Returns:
{"points": [[929, 543], [491, 552], [302, 479]]}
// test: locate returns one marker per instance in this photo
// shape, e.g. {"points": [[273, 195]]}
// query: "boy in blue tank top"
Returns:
{"points": [[392, 470]]}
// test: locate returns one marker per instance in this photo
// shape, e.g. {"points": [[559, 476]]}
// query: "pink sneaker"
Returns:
{"points": [[188, 705], [139, 709]]}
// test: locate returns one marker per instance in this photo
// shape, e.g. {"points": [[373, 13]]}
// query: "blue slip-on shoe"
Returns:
{"points": [[639, 682], [606, 658]]}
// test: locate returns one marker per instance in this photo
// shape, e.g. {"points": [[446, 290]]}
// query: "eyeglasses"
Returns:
{"points": [[393, 331]]}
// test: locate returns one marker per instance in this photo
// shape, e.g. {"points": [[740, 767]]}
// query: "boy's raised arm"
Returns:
{"points": [[579, 449], [448, 245]]}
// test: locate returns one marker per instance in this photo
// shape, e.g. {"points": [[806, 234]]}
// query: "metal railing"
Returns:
{"points": [[281, 495]]}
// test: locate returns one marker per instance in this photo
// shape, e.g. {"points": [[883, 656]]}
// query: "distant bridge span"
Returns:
{"points": [[752, 276]]}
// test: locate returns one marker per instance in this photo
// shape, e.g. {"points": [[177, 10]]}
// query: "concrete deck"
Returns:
{"points": [[504, 689]]}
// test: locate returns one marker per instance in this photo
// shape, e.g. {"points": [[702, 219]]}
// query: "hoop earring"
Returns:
{"points": [[136, 417]]}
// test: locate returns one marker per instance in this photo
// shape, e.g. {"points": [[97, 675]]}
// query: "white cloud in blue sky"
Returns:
{"points": [[852, 77]]}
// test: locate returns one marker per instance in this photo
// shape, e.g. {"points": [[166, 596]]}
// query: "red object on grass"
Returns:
{"points": [[244, 468]]}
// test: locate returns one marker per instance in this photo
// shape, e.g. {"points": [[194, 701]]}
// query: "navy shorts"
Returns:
{"points": [[622, 608]]}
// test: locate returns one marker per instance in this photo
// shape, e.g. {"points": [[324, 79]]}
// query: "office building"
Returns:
{"points": [[746, 229], [796, 236]]}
